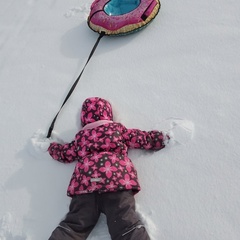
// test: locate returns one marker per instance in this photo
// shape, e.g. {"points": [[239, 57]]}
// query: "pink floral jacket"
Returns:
{"points": [[101, 151]]}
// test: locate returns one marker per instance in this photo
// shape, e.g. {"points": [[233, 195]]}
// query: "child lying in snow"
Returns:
{"points": [[104, 179]]}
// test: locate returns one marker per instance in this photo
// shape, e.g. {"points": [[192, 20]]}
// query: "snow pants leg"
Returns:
{"points": [[119, 207], [122, 219], [82, 217]]}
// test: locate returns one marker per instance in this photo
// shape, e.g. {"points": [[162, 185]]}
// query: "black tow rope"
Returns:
{"points": [[75, 84]]}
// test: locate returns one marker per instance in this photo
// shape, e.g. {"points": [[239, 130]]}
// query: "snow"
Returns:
{"points": [[185, 64]]}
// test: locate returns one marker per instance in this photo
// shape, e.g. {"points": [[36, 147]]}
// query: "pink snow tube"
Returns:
{"points": [[120, 17]]}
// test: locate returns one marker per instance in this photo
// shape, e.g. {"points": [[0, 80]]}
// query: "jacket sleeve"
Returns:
{"points": [[65, 153], [152, 140]]}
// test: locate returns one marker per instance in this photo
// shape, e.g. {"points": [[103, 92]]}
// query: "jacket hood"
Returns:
{"points": [[95, 109]]}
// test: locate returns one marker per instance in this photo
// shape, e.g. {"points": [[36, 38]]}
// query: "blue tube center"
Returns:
{"points": [[120, 7]]}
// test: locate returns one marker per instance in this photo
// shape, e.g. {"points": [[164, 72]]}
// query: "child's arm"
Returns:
{"points": [[152, 140], [58, 150], [65, 153]]}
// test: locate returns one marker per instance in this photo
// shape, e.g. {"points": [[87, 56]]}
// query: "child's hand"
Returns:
{"points": [[177, 130], [41, 143]]}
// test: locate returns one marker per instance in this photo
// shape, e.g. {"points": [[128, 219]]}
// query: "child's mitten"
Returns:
{"points": [[41, 143]]}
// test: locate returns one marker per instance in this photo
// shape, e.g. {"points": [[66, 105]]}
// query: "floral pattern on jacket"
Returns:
{"points": [[102, 158]]}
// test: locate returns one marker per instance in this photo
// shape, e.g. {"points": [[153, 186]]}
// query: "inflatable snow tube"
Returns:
{"points": [[121, 17]]}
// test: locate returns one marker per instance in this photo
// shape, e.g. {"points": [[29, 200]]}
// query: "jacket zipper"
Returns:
{"points": [[136, 227]]}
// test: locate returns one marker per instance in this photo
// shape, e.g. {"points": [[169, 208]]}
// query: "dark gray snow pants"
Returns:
{"points": [[119, 207]]}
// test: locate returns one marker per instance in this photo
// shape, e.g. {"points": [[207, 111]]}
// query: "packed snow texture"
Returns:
{"points": [[184, 65]]}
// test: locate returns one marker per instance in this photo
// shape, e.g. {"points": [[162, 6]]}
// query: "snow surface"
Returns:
{"points": [[185, 64]]}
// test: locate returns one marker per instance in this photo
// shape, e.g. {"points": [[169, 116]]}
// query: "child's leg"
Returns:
{"points": [[122, 219], [81, 219]]}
